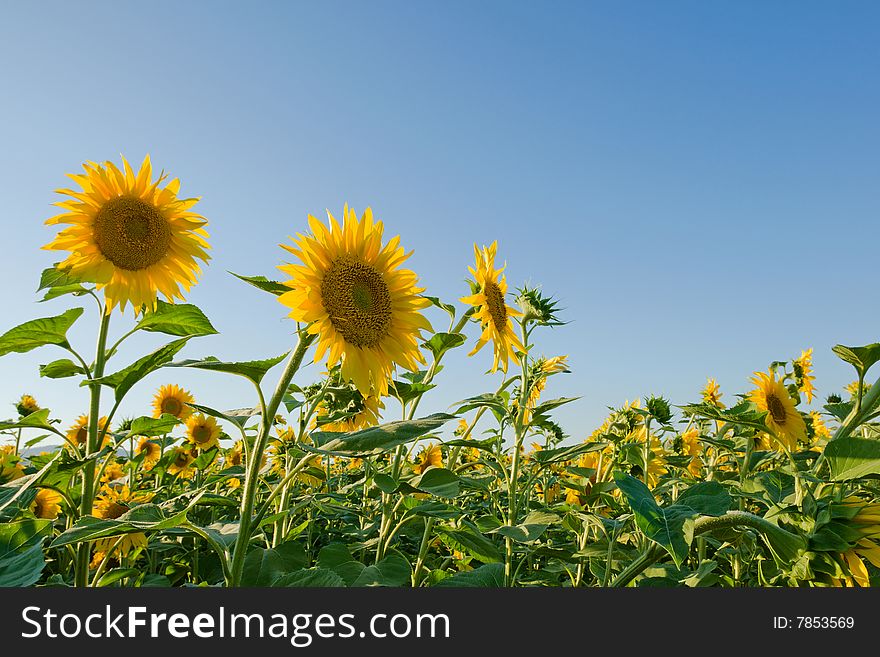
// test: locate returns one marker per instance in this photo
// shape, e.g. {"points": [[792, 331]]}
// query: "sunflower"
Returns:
{"points": [[346, 409], [493, 312], [691, 446], [430, 456], [112, 472], [782, 416], [26, 405], [549, 494], [113, 501], [174, 400], [78, 434], [47, 504], [541, 370], [10, 464], [181, 464], [354, 296], [151, 452], [820, 430], [234, 455], [130, 235], [712, 393], [863, 521], [853, 389], [803, 371], [203, 432]]}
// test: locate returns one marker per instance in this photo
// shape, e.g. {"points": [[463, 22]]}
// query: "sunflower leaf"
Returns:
{"points": [[253, 370], [55, 277], [21, 553], [181, 319], [440, 343], [54, 292], [853, 458], [861, 358], [61, 369], [123, 380], [376, 440], [39, 332], [261, 282], [150, 426], [490, 575]]}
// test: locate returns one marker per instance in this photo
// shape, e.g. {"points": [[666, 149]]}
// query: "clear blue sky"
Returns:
{"points": [[697, 182]]}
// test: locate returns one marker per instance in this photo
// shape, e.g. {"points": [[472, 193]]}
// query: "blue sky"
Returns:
{"points": [[696, 182]]}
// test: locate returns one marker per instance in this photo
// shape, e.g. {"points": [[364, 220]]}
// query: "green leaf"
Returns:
{"points": [[531, 529], [263, 283], [54, 277], [337, 557], [264, 567], [376, 440], [406, 392], [744, 414], [440, 343], [439, 482], [490, 575], [310, 577], [862, 358], [548, 456], [61, 369], [142, 518], [150, 426], [36, 420], [666, 526], [123, 380], [254, 370], [181, 319], [851, 458], [443, 306], [385, 483], [21, 551], [393, 570], [53, 293], [469, 539], [39, 332], [239, 417], [550, 404], [497, 403]]}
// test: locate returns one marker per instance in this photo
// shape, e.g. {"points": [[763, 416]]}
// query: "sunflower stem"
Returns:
{"points": [[519, 437], [92, 442], [253, 467]]}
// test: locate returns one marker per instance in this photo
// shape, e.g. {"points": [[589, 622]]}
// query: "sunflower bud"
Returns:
{"points": [[538, 308], [26, 405], [659, 409]]}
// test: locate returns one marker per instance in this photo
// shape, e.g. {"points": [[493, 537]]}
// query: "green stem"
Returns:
{"points": [[92, 442], [253, 467]]}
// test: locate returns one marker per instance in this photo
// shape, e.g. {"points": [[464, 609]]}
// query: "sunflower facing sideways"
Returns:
{"points": [[130, 235], [493, 312], [782, 416], [351, 291], [174, 400]]}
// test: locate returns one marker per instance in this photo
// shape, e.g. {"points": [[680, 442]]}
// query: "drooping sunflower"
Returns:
{"points": [[430, 456], [493, 312], [782, 416], [821, 432], [47, 504], [151, 452], [78, 434], [538, 380], [130, 235], [26, 405], [174, 400], [362, 306], [803, 371], [203, 432]]}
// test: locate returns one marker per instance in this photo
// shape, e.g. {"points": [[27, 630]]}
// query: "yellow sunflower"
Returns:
{"points": [[26, 405], [78, 434], [47, 504], [803, 371], [174, 400], [354, 296], [10, 464], [493, 312], [112, 472], [430, 456], [542, 370], [181, 464], [129, 235], [203, 432], [866, 526], [712, 393], [782, 416], [111, 503], [151, 452], [820, 430], [691, 446], [234, 455]]}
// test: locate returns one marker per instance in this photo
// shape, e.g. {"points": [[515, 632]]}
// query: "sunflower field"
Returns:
{"points": [[308, 483]]}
